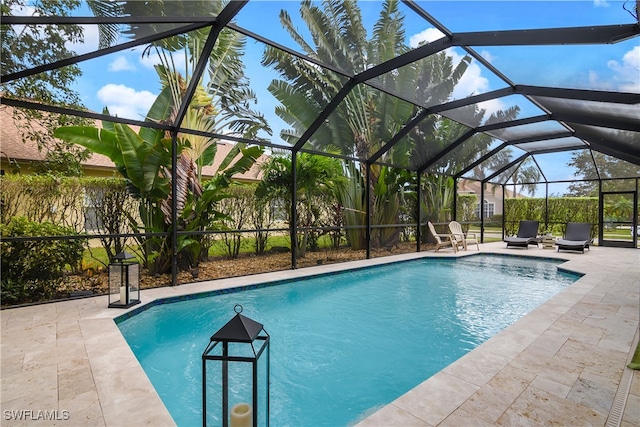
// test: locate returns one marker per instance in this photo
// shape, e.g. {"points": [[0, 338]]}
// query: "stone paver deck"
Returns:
{"points": [[562, 364]]}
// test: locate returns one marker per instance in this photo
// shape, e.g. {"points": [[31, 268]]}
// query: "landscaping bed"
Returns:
{"points": [[95, 282]]}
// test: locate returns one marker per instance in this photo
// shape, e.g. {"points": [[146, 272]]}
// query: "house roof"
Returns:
{"points": [[13, 147], [470, 186]]}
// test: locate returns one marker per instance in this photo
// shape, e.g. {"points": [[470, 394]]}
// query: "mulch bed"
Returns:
{"points": [[217, 268]]}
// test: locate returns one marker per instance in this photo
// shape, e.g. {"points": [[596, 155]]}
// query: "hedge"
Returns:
{"points": [[560, 212]]}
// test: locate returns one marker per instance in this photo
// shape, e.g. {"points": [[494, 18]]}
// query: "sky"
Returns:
{"points": [[127, 84]]}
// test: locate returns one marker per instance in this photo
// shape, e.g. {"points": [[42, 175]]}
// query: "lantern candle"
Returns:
{"points": [[241, 415], [123, 295]]}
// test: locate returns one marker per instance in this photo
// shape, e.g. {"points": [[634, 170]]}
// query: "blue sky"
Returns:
{"points": [[126, 83]]}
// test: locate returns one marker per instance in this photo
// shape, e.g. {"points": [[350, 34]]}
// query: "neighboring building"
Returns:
{"points": [[19, 156], [493, 201]]}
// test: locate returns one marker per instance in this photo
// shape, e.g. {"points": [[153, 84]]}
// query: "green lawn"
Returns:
{"points": [[96, 258]]}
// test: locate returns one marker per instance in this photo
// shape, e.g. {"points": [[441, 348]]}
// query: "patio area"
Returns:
{"points": [[562, 364]]}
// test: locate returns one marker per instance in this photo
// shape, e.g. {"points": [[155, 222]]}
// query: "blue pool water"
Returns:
{"points": [[343, 345]]}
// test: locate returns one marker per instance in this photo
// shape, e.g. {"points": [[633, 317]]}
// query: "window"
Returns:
{"points": [[489, 209], [92, 221]]}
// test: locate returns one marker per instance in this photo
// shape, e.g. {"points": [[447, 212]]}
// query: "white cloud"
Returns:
{"points": [[600, 3], [491, 107], [627, 72], [23, 10], [488, 56], [625, 76], [126, 102], [150, 59], [595, 83], [121, 63], [472, 81], [429, 35], [90, 43]]}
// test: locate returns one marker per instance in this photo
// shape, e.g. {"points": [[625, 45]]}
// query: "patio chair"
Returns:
{"points": [[527, 235], [576, 238], [442, 240], [461, 239]]}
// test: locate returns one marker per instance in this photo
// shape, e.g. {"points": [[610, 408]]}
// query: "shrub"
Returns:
{"points": [[111, 210], [87, 204], [237, 210], [561, 210], [19, 292], [466, 204], [41, 198], [37, 260]]}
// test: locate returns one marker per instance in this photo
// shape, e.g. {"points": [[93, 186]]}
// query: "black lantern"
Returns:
{"points": [[124, 281], [241, 379]]}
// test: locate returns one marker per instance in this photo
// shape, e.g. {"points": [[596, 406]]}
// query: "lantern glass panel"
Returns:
{"points": [[116, 282], [134, 281], [240, 386], [246, 382], [213, 383], [263, 386]]}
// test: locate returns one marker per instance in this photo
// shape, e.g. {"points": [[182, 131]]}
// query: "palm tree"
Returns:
{"points": [[437, 186], [623, 208], [220, 104], [141, 158], [367, 118], [207, 112], [526, 175], [317, 176]]}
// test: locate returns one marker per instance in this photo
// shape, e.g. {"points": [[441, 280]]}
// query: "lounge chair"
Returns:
{"points": [[576, 238], [461, 239], [527, 235], [442, 240]]}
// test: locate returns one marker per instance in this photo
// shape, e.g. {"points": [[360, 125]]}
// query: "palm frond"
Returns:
{"points": [[108, 33], [287, 24], [388, 33]]}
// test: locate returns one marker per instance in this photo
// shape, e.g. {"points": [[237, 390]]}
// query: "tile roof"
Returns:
{"points": [[14, 147]]}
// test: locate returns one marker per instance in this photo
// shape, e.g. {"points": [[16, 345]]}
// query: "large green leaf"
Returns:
{"points": [[244, 163], [110, 126], [209, 155], [162, 106], [155, 159], [100, 141], [133, 154], [232, 154]]}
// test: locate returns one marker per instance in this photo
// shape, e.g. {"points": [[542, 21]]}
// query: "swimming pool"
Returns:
{"points": [[347, 343]]}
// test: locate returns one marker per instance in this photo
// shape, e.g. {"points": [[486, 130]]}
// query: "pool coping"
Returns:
{"points": [[108, 386]]}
